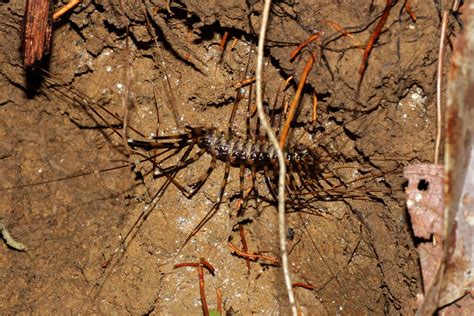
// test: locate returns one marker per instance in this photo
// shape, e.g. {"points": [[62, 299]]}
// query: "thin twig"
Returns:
{"points": [[219, 301], [315, 108], [410, 11], [252, 256], [281, 160], [200, 266], [344, 32], [304, 285], [61, 11], [9, 239], [305, 43], [295, 102], [438, 85], [202, 291], [245, 247]]}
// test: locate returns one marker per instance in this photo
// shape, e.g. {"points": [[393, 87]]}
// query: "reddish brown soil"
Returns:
{"points": [[358, 252]]}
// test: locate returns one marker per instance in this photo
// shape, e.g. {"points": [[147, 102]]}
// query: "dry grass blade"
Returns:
{"points": [[295, 102]]}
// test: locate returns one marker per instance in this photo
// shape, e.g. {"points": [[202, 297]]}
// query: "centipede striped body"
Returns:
{"points": [[237, 151]]}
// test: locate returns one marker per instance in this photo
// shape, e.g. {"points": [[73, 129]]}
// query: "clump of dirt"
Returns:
{"points": [[69, 194]]}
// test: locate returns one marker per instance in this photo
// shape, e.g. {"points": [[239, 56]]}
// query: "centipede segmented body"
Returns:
{"points": [[252, 154], [234, 151]]}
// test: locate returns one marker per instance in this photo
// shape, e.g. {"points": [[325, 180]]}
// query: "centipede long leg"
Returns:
{"points": [[246, 194], [175, 169], [291, 181], [268, 180], [299, 186], [214, 208], [182, 165], [289, 188], [248, 135], [243, 197], [147, 158], [203, 179], [305, 174], [307, 185], [155, 199], [238, 96], [156, 164]]}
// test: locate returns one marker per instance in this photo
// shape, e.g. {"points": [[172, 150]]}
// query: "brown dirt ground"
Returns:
{"points": [[358, 252]]}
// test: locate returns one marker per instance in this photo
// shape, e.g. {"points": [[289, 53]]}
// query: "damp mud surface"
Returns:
{"points": [[69, 194]]}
